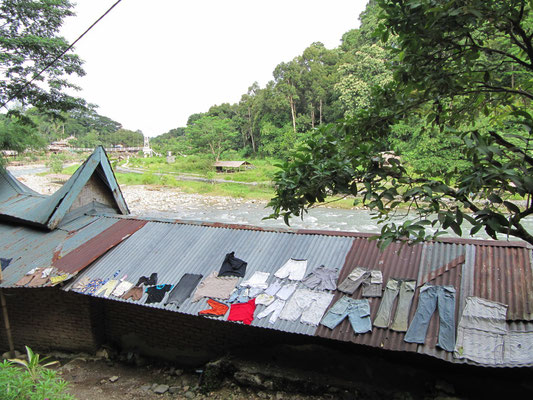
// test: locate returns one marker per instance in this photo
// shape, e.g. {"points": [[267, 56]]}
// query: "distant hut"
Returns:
{"points": [[232, 166]]}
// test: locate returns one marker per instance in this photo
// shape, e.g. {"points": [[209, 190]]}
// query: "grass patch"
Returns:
{"points": [[202, 166]]}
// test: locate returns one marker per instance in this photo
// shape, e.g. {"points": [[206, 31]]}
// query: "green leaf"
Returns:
{"points": [[511, 207]]}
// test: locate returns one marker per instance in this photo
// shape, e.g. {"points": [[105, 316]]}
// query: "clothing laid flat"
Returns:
{"points": [[242, 312], [273, 288], [157, 293], [144, 280], [54, 280], [107, 288], [264, 299], [482, 331], [122, 288], [232, 266], [372, 285], [322, 278], [286, 291], [352, 282], [294, 269], [406, 290], [257, 280], [216, 308], [430, 297], [42, 278], [28, 277], [183, 289], [135, 293], [82, 283], [4, 262], [307, 305], [357, 311], [274, 309], [215, 286]]}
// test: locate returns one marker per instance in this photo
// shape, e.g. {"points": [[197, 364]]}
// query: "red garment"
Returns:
{"points": [[217, 308], [242, 312]]}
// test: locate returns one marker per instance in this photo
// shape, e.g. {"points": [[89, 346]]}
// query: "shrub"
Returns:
{"points": [[33, 382]]}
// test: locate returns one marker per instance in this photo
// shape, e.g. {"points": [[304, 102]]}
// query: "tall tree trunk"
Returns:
{"points": [[312, 117], [251, 131], [320, 112], [293, 113]]}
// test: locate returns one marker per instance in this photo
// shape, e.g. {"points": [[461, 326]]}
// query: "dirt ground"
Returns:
{"points": [[97, 379]]}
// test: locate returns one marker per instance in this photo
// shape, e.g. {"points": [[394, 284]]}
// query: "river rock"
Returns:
{"points": [[160, 389]]}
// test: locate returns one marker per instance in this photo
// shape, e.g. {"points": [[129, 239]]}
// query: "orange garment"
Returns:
{"points": [[217, 308], [242, 312]]}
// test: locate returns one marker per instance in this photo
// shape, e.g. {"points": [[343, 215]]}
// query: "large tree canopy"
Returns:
{"points": [[466, 70], [31, 72]]}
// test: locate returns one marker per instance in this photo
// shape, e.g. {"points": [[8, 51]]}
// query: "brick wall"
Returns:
{"points": [[184, 338], [47, 318]]}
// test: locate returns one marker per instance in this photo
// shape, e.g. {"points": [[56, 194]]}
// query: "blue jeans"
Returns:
{"points": [[357, 311], [430, 297]]}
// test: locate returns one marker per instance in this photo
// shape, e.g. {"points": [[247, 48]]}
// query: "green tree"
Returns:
{"points": [[454, 62], [30, 44], [212, 134]]}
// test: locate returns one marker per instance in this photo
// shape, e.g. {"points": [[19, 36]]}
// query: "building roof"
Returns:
{"points": [[177, 247], [95, 242], [231, 164], [19, 203]]}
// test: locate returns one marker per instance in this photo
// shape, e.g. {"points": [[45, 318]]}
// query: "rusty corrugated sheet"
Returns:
{"points": [[396, 261], [473, 269], [503, 274], [88, 252]]}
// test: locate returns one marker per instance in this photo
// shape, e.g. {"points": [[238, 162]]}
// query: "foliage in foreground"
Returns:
{"points": [[32, 382], [454, 64]]}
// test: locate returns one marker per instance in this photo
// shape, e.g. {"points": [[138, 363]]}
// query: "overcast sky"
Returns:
{"points": [[151, 64]]}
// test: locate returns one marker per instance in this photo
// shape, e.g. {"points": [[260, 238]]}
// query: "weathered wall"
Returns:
{"points": [[94, 190], [184, 338], [46, 318]]}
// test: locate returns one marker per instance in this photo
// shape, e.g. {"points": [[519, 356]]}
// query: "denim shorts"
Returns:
{"points": [[357, 311]]}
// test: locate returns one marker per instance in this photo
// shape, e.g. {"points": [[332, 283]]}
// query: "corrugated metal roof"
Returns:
{"points": [[23, 205], [470, 268], [231, 164], [172, 250], [32, 248], [98, 245]]}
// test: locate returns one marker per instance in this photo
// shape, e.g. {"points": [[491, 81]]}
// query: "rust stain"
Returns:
{"points": [[84, 255]]}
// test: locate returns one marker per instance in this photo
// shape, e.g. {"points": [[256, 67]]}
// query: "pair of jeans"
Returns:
{"points": [[406, 289], [357, 311], [431, 297], [354, 280]]}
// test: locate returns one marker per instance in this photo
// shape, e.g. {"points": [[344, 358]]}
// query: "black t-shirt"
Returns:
{"points": [[157, 293], [232, 266]]}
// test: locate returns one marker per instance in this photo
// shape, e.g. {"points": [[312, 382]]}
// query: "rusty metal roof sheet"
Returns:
{"points": [[473, 269], [32, 248], [95, 247]]}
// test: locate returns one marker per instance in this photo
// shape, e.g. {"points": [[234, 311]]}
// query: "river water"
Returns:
{"points": [[247, 212], [317, 218]]}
